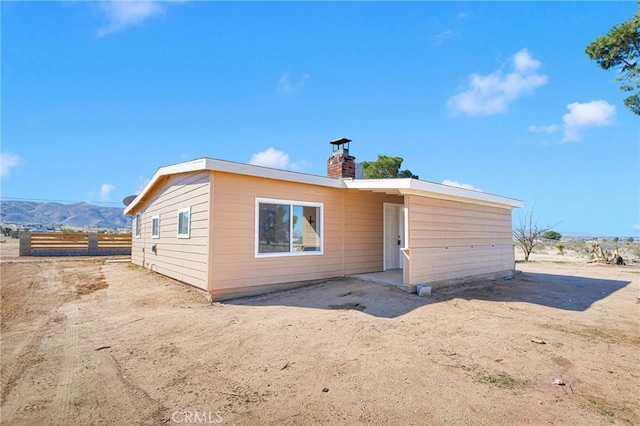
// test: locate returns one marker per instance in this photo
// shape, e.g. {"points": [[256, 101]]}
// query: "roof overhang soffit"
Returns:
{"points": [[388, 191]]}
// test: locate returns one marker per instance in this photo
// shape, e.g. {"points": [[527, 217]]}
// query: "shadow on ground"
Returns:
{"points": [[565, 292]]}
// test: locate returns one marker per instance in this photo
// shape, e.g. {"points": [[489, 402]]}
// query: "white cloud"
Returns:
{"points": [[524, 62], [580, 116], [276, 159], [8, 161], [552, 128], [123, 14], [492, 94], [589, 114], [443, 36], [270, 158], [105, 191], [460, 185], [286, 86]]}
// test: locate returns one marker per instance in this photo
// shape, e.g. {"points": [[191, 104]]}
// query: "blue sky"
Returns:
{"points": [[496, 96]]}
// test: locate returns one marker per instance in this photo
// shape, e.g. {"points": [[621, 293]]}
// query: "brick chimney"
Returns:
{"points": [[341, 164]]}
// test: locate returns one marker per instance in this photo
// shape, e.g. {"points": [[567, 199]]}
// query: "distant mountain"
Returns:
{"points": [[77, 214]]}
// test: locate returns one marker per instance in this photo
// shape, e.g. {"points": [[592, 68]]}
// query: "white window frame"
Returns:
{"points": [[291, 204], [138, 225], [154, 219], [180, 211]]}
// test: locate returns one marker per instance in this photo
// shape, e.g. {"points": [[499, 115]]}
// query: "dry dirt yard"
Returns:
{"points": [[99, 341]]}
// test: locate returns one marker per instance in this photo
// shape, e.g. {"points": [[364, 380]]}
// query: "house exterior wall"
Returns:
{"points": [[448, 241], [452, 241], [364, 230], [184, 259], [234, 265], [352, 234]]}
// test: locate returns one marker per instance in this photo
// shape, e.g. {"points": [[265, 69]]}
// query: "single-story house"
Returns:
{"points": [[236, 229]]}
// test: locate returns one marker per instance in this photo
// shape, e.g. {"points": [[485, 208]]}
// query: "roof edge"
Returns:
{"points": [[212, 164], [435, 190], [402, 185]]}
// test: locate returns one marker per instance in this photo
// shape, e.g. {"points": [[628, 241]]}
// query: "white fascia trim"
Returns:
{"points": [[403, 186], [434, 190], [269, 173], [378, 184], [213, 164], [188, 166]]}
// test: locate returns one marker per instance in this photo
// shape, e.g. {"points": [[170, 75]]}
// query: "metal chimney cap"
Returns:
{"points": [[340, 141]]}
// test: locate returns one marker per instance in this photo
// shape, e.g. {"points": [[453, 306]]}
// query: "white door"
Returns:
{"points": [[393, 236]]}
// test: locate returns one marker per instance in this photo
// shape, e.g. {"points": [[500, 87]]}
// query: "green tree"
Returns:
{"points": [[620, 49], [386, 167], [551, 235]]}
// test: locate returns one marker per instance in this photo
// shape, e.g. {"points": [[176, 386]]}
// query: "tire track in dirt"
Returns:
{"points": [[13, 370], [49, 310], [129, 403], [30, 342], [62, 406], [70, 347], [16, 298]]}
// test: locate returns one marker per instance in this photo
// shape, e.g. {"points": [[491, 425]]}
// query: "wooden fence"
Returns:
{"points": [[59, 241], [114, 241], [88, 244]]}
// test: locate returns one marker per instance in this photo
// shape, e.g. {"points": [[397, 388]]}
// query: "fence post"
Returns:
{"points": [[25, 244], [93, 243]]}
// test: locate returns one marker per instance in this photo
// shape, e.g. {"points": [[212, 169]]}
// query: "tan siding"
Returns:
{"points": [[364, 230], [234, 264], [450, 240], [184, 259]]}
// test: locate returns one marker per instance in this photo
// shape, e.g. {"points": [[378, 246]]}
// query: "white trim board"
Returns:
{"points": [[399, 186]]}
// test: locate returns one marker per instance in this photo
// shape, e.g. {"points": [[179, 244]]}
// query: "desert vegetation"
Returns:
{"points": [[583, 251]]}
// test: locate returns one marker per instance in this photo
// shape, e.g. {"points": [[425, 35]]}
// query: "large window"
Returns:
{"points": [[288, 227], [138, 225], [184, 217], [155, 227]]}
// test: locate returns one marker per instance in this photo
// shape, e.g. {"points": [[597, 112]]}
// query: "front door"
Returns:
{"points": [[393, 236]]}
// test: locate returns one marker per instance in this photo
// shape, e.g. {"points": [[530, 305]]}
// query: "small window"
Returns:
{"points": [[288, 227], [155, 227], [138, 225], [184, 216]]}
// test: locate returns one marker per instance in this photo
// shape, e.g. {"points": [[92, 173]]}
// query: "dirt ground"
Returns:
{"points": [[99, 341]]}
